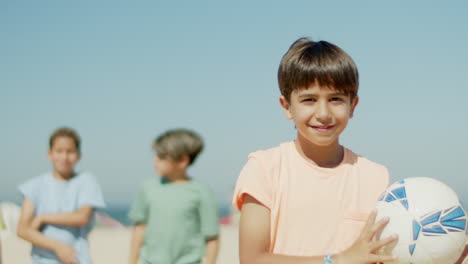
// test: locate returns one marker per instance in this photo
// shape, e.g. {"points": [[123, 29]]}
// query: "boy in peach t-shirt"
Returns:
{"points": [[311, 200]]}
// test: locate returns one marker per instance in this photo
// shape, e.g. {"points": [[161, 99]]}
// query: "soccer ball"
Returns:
{"points": [[427, 217]]}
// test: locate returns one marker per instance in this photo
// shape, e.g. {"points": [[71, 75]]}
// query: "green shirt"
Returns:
{"points": [[178, 217]]}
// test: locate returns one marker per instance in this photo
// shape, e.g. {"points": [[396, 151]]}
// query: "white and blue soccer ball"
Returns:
{"points": [[429, 219]]}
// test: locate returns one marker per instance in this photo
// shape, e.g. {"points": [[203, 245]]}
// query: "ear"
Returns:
{"points": [[285, 105], [184, 162], [49, 155], [354, 103]]}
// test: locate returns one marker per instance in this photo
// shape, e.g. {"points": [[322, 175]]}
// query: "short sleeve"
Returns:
{"points": [[383, 182], [209, 218], [139, 210], [255, 181], [30, 190], [91, 194]]}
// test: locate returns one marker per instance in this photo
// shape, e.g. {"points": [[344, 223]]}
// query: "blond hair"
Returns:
{"points": [[177, 143]]}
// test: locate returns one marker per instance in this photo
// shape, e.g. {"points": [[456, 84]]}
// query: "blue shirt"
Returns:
{"points": [[50, 195]]}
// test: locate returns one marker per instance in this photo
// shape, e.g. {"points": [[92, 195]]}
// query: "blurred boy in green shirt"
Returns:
{"points": [[176, 217]]}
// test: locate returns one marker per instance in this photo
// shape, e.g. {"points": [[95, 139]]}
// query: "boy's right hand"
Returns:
{"points": [[66, 254], [368, 248]]}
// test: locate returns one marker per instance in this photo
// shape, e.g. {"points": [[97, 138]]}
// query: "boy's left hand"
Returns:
{"points": [[37, 222]]}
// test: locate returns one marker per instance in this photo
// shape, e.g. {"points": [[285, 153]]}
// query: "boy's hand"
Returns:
{"points": [[368, 247], [66, 254], [37, 222]]}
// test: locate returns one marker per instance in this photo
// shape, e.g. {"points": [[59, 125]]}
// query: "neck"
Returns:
{"points": [[322, 156], [178, 177], [62, 177]]}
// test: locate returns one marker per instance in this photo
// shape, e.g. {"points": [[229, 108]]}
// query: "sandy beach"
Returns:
{"points": [[111, 246]]}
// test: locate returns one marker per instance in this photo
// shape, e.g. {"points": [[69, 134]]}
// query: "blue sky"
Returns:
{"points": [[121, 73]]}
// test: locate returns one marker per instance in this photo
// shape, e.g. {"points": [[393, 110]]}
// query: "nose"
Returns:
{"points": [[66, 155], [63, 155], [322, 112]]}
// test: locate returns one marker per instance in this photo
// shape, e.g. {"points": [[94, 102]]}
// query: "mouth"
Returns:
{"points": [[323, 128]]}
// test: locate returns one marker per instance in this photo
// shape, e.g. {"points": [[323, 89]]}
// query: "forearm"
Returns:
{"points": [[254, 238], [79, 217], [37, 238], [212, 248], [134, 253], [136, 243], [463, 256]]}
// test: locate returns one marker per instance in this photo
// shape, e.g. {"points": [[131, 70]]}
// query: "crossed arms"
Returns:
{"points": [[29, 224]]}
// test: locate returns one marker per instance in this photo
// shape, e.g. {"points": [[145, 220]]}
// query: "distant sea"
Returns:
{"points": [[120, 212]]}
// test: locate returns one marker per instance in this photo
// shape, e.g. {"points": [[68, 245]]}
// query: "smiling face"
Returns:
{"points": [[319, 113], [64, 155]]}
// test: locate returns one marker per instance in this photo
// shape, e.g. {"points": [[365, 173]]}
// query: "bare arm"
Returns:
{"points": [[254, 239], [463, 255], [79, 217], [25, 231], [212, 247], [138, 235]]}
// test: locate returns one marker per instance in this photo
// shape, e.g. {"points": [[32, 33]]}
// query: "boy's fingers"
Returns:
{"points": [[378, 227], [384, 242], [378, 234], [367, 228]]}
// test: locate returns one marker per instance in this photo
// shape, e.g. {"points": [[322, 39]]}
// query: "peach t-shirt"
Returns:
{"points": [[314, 210]]}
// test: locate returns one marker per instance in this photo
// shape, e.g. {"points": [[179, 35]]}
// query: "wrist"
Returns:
{"points": [[329, 259], [338, 258], [57, 246]]}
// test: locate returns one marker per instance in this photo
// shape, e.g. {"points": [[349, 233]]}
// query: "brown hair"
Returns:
{"points": [[65, 132], [178, 143], [308, 61]]}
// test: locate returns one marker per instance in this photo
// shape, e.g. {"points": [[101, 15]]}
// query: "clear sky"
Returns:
{"points": [[121, 72]]}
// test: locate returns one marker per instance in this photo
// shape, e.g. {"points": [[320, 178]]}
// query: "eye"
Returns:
{"points": [[337, 99], [307, 100]]}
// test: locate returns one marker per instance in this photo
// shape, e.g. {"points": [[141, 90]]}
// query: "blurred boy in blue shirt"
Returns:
{"points": [[58, 206]]}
